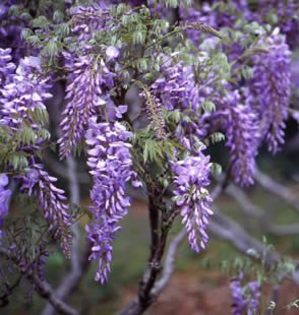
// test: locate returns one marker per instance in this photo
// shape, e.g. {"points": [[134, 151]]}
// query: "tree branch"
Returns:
{"points": [[169, 263], [42, 287], [256, 212], [278, 189]]}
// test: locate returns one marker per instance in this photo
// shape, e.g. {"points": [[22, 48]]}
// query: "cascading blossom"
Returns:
{"points": [[176, 88], [101, 237], [270, 90], [240, 125], [111, 167], [245, 299], [191, 177], [88, 81], [38, 183]]}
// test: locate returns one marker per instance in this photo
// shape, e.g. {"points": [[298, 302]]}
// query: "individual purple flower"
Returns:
{"points": [[38, 183], [5, 195], [112, 53], [88, 81], [111, 166], [101, 237], [240, 125], [270, 90], [245, 298], [191, 177]]}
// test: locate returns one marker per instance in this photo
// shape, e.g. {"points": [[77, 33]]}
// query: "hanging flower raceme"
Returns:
{"points": [[176, 88], [38, 183], [88, 80], [111, 167], [270, 89], [86, 20], [241, 129], [191, 177], [101, 236], [245, 299]]}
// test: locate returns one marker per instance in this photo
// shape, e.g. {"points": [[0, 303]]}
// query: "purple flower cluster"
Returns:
{"points": [[111, 167], [101, 236], [5, 195], [7, 67], [241, 129], [270, 90], [191, 176], [176, 88], [25, 91], [38, 183], [88, 81], [245, 299]]}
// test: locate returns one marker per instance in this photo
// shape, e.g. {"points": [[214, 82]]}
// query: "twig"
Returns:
{"points": [[42, 287], [256, 212], [278, 189], [227, 229], [149, 289]]}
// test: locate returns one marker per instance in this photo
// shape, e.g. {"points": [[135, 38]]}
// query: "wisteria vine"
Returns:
{"points": [[220, 73]]}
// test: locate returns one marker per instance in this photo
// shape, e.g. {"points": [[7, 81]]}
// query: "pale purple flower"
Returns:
{"points": [[5, 195], [191, 177], [112, 53]]}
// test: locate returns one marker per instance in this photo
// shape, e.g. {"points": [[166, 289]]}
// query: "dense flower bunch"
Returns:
{"points": [[246, 299], [88, 20], [191, 177], [176, 88], [241, 129], [111, 167], [270, 90], [87, 82], [38, 183], [24, 92]]}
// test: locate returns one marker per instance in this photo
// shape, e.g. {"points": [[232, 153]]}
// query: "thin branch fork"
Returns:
{"points": [[42, 287], [277, 188]]}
